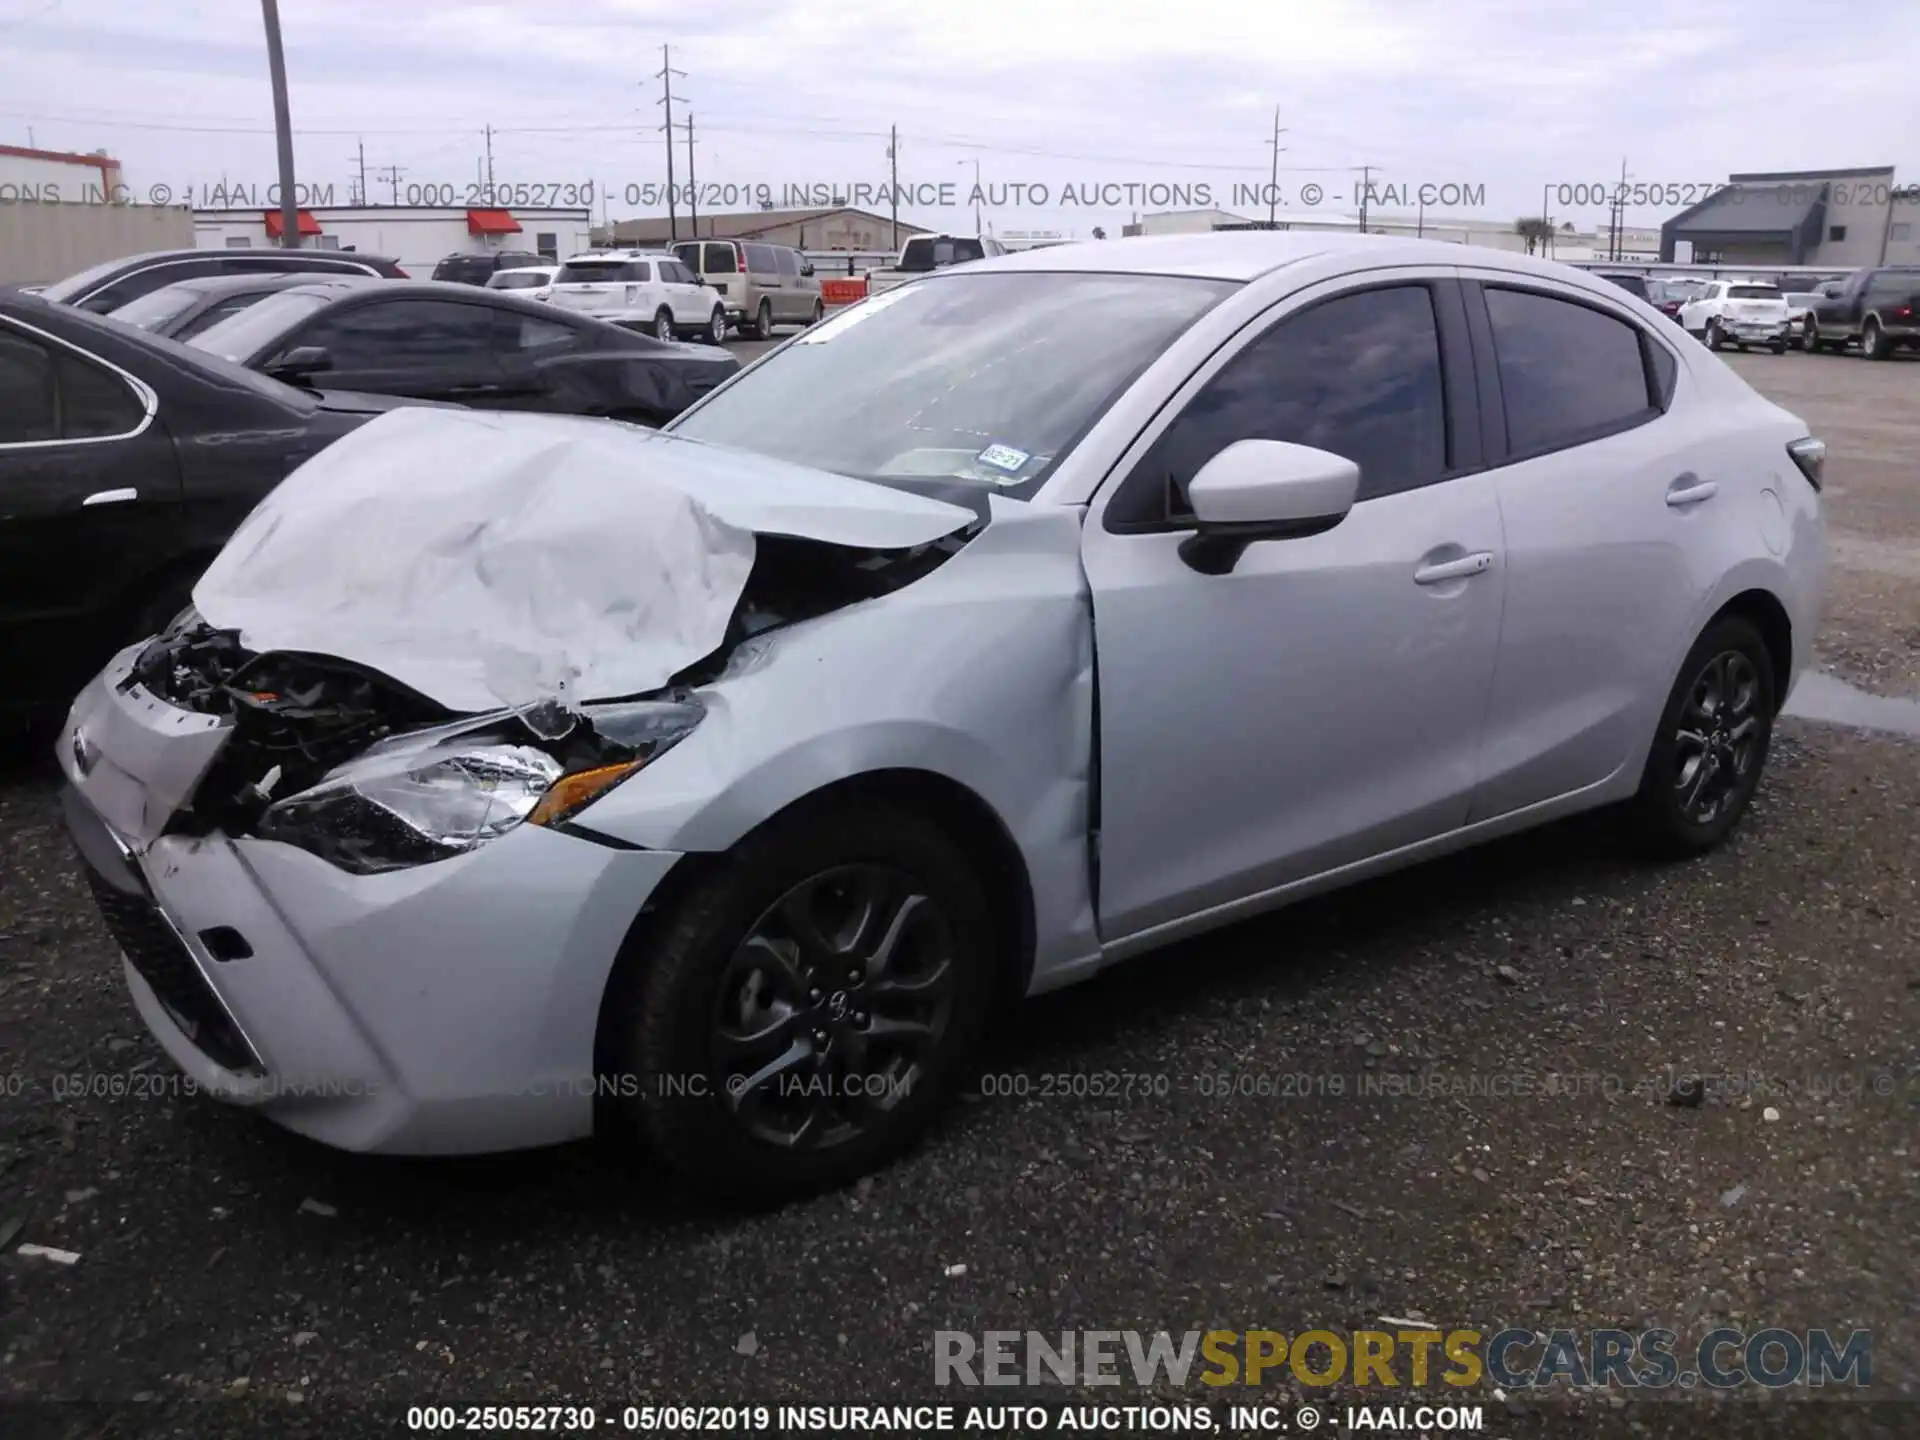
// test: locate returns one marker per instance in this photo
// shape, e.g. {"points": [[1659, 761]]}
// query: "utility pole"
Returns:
{"points": [[394, 172], [1420, 222], [282, 126], [693, 185], [363, 173], [1273, 184], [489, 163], [665, 77], [1619, 217], [978, 228], [893, 187], [1366, 187]]}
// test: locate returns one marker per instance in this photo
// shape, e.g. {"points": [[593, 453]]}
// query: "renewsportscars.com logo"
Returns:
{"points": [[1514, 1358]]}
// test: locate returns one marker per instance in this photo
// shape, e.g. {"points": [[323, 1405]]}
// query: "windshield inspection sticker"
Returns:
{"points": [[1003, 457]]}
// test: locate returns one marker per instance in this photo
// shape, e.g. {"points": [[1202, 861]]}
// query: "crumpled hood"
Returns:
{"points": [[488, 560]]}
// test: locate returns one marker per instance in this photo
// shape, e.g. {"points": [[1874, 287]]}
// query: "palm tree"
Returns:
{"points": [[1534, 229]]}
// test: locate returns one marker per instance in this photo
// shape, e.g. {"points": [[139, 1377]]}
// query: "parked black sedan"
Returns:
{"points": [[489, 349], [183, 309], [125, 462], [112, 283]]}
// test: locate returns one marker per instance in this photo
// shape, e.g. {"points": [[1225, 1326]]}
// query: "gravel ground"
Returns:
{"points": [[1542, 993]]}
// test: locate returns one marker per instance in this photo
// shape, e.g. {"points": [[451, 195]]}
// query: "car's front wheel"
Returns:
{"points": [[799, 1016], [1712, 743], [819, 312]]}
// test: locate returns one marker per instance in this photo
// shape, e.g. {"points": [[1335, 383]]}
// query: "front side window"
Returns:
{"points": [[1358, 375], [789, 261], [988, 378], [403, 335], [1569, 373], [538, 334]]}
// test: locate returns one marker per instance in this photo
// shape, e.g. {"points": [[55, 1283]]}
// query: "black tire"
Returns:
{"points": [[1663, 823], [1874, 343], [1778, 347], [1810, 337], [692, 974], [763, 321], [1711, 336], [663, 324], [819, 312], [717, 327]]}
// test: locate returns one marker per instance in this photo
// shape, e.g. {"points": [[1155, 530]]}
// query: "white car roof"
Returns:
{"points": [[1248, 254]]}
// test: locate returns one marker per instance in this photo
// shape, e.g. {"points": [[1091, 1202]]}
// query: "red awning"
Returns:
{"points": [[491, 222], [304, 219]]}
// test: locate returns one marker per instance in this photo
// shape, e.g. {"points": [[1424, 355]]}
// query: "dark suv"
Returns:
{"points": [[1635, 285], [111, 284], [1880, 308], [478, 269]]}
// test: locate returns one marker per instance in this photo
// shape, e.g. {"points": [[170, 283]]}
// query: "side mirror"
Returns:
{"points": [[1264, 490], [806, 267], [300, 362]]}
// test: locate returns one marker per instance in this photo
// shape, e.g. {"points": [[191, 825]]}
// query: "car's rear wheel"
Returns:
{"points": [[763, 321], [1874, 343], [1712, 743], [1712, 336], [717, 326], [663, 324], [1809, 336], [800, 1015]]}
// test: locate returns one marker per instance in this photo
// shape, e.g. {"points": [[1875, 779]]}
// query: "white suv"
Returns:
{"points": [[642, 290]]}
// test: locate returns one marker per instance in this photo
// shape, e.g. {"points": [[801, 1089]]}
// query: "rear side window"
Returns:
{"points": [[214, 314], [1358, 375], [761, 261], [1569, 373], [721, 260], [789, 261], [49, 393]]}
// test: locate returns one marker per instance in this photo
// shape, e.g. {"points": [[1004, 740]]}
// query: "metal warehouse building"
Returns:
{"points": [[1838, 218], [418, 236]]}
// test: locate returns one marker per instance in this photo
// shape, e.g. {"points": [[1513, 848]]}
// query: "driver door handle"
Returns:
{"points": [[1690, 489], [1464, 568], [111, 497]]}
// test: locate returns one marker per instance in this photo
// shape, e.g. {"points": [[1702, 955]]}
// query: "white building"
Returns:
{"points": [[417, 236], [59, 177]]}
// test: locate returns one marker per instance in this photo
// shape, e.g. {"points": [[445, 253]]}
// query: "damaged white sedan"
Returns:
{"points": [[512, 774]]}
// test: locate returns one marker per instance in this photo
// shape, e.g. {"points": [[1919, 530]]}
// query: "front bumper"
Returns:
{"points": [[450, 1008]]}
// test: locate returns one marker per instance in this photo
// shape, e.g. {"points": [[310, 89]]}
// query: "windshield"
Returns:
{"points": [[1754, 292], [518, 280], [600, 272], [241, 337], [157, 308], [928, 252], [983, 377]]}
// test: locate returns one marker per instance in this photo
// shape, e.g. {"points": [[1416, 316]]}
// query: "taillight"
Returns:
{"points": [[1903, 312], [400, 274], [1811, 456]]}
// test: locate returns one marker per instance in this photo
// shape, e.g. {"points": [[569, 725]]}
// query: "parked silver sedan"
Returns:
{"points": [[515, 774]]}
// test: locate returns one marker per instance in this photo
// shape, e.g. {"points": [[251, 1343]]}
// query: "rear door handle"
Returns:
{"points": [[1464, 568], [111, 497], [1690, 489]]}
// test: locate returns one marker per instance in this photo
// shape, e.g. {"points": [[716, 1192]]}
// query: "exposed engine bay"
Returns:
{"points": [[353, 765]]}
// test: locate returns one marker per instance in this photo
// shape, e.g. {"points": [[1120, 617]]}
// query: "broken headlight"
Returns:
{"points": [[433, 795]]}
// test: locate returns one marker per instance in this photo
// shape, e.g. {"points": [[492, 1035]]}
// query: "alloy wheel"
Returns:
{"points": [[1810, 336], [663, 326], [830, 1007], [1718, 737], [717, 327]]}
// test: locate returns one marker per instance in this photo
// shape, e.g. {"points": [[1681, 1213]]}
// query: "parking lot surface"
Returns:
{"points": [[1538, 998]]}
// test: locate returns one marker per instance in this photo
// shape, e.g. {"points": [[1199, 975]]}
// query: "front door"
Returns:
{"points": [[1321, 703]]}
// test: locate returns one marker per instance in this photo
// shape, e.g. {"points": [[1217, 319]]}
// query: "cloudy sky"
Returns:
{"points": [[1509, 95]]}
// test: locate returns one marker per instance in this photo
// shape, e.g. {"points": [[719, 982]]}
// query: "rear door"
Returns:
{"points": [[1608, 497], [89, 502], [419, 348]]}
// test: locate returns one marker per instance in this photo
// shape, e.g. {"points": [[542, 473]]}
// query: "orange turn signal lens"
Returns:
{"points": [[572, 793]]}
